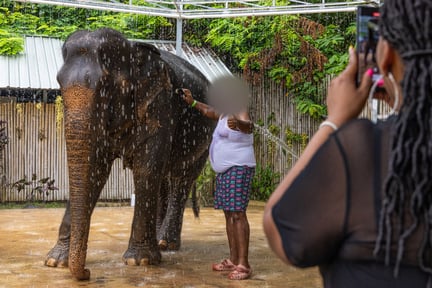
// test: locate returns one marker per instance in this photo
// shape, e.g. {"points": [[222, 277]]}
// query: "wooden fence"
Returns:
{"points": [[37, 145], [285, 130]]}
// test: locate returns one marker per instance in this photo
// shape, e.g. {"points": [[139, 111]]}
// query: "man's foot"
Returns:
{"points": [[225, 265], [240, 273]]}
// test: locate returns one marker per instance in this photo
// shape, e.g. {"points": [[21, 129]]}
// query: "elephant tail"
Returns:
{"points": [[195, 202]]}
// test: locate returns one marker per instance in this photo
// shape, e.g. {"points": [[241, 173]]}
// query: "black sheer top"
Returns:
{"points": [[329, 215]]}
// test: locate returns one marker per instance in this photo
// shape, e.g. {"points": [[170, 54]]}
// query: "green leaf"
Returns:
{"points": [[11, 45]]}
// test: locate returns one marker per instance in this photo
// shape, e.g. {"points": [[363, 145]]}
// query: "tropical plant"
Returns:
{"points": [[32, 187], [296, 51], [205, 184], [10, 44], [264, 182], [4, 139]]}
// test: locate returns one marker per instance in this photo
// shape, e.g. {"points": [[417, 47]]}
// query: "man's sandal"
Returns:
{"points": [[240, 273], [225, 265]]}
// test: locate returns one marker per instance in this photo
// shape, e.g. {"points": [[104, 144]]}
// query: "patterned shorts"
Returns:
{"points": [[233, 188]]}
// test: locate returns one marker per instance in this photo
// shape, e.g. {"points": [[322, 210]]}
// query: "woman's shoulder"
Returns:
{"points": [[361, 132], [358, 124], [363, 125], [356, 128]]}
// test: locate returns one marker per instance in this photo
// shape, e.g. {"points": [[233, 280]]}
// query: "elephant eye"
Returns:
{"points": [[83, 50]]}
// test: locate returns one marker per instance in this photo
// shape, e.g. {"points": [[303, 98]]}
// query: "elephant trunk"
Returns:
{"points": [[78, 111]]}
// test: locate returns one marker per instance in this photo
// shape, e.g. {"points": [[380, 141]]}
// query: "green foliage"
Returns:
{"points": [[330, 41], [35, 204], [10, 44], [245, 38], [264, 182], [292, 137], [336, 64], [4, 139], [33, 186], [58, 21], [295, 51], [307, 106], [195, 31], [274, 129], [307, 100], [205, 184]]}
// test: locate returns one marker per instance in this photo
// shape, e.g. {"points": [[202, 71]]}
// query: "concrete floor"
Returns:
{"points": [[26, 235]]}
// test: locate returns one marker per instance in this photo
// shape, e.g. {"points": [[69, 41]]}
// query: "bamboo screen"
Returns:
{"points": [[37, 145]]}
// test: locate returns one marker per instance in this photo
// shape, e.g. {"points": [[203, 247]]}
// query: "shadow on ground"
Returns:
{"points": [[26, 235]]}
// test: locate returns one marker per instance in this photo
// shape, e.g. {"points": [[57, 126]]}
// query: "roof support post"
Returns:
{"points": [[179, 31], [179, 35]]}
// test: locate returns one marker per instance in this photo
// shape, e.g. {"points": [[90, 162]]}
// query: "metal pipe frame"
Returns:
{"points": [[194, 9]]}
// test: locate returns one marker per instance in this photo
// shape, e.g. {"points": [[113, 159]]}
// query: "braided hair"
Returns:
{"points": [[407, 203]]}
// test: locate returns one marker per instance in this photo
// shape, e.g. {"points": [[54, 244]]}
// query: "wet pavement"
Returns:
{"points": [[26, 235]]}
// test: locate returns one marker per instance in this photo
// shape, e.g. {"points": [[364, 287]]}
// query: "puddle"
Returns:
{"points": [[27, 235]]}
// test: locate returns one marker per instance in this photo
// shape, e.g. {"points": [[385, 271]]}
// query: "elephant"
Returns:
{"points": [[120, 101]]}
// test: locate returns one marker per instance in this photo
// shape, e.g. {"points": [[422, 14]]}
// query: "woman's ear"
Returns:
{"points": [[388, 60], [384, 56]]}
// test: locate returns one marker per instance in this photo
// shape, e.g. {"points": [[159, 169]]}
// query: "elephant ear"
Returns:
{"points": [[153, 79], [144, 56], [113, 51]]}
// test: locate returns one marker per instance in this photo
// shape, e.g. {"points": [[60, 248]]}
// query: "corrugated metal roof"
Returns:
{"points": [[37, 67], [204, 59]]}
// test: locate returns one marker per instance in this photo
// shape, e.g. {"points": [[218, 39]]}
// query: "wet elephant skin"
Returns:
{"points": [[119, 101]]}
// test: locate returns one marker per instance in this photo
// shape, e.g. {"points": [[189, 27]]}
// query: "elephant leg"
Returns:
{"points": [[162, 210], [170, 232], [143, 247], [179, 188], [58, 256]]}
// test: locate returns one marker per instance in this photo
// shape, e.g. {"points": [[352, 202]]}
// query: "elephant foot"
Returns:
{"points": [[164, 245], [58, 256], [141, 257]]}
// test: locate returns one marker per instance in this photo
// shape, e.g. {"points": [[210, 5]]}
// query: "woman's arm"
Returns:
{"points": [[344, 102], [241, 122], [205, 109]]}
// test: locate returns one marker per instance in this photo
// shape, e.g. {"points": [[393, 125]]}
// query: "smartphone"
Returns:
{"points": [[367, 40]]}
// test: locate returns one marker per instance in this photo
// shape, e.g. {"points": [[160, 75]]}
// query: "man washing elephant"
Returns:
{"points": [[119, 101]]}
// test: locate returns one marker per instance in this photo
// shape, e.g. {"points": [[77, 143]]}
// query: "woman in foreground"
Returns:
{"points": [[358, 201]]}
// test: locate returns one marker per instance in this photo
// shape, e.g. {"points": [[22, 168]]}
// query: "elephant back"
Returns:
{"points": [[186, 75]]}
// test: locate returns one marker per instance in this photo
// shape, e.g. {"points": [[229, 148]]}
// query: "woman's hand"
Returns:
{"points": [[241, 122], [345, 100], [232, 123], [187, 96]]}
